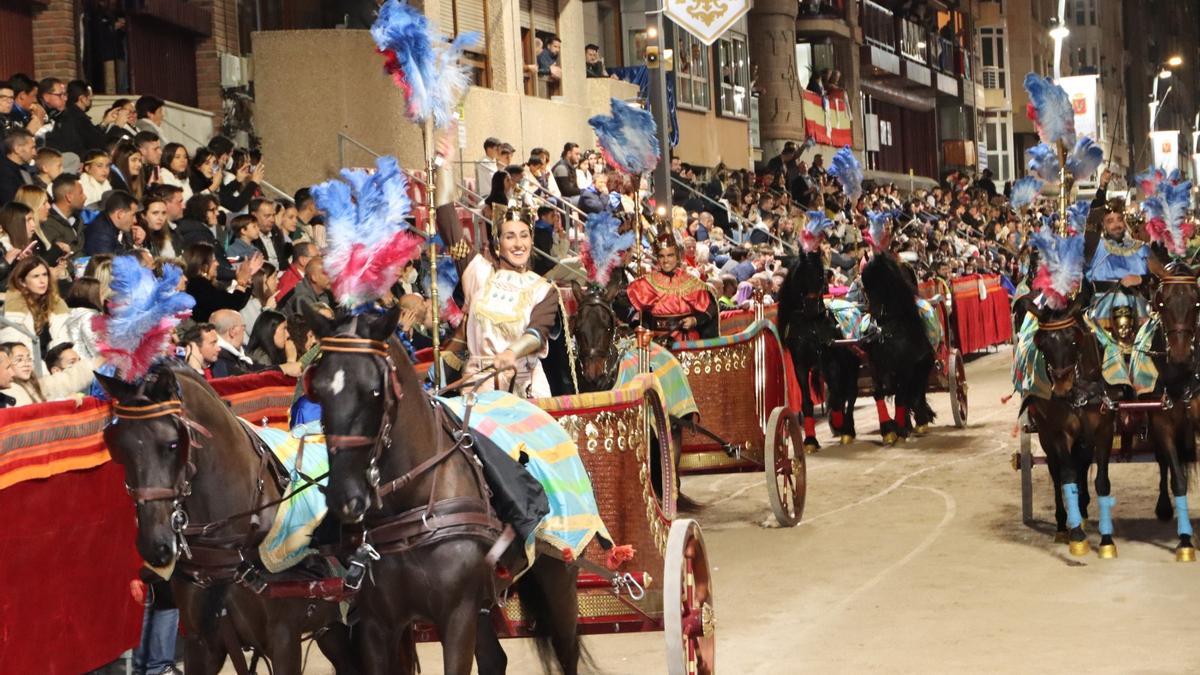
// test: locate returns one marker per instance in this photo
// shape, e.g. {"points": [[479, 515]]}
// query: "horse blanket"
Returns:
{"points": [[671, 379], [287, 542]]}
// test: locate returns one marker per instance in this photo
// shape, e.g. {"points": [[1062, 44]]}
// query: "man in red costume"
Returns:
{"points": [[669, 299]]}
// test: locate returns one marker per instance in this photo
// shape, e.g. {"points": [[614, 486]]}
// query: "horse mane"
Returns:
{"points": [[807, 275], [891, 289]]}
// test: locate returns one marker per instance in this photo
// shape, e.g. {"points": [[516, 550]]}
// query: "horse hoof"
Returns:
{"points": [[890, 438], [1060, 537], [922, 429], [811, 448], [846, 439], [1079, 548], [1185, 554], [1108, 551]]}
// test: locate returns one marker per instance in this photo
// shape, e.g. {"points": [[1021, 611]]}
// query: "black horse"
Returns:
{"points": [[188, 458], [809, 332], [899, 352], [398, 467], [602, 316]]}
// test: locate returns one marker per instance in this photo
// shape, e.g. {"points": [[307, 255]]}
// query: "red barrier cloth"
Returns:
{"points": [[68, 556], [981, 322]]}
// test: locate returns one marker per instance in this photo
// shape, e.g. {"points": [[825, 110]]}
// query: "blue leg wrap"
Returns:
{"points": [[1181, 516], [1106, 507], [1071, 497]]}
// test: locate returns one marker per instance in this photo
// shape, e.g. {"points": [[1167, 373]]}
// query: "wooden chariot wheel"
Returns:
{"points": [[956, 374], [689, 621], [785, 467]]}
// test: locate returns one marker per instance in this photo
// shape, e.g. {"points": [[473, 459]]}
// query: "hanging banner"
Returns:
{"points": [[827, 120], [706, 19], [1083, 91], [1166, 149]]}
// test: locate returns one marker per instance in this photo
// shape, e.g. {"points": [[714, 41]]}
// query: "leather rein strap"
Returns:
{"points": [[357, 345]]}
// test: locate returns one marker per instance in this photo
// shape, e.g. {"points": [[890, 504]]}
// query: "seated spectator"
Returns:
{"points": [[544, 229], [199, 225], [6, 377], [109, 232], [161, 240], [593, 62], [15, 167], [201, 348], [121, 128], [150, 147], [232, 359], [61, 357], [125, 173], [173, 169], [32, 306], [245, 233], [151, 110], [26, 111], [74, 132], [28, 389], [729, 286], [269, 343], [263, 285], [288, 224], [97, 167], [201, 272], [240, 185], [48, 165], [313, 288], [63, 225], [486, 167], [39, 203], [84, 304], [547, 60], [301, 255], [272, 242], [308, 216], [205, 174], [597, 198]]}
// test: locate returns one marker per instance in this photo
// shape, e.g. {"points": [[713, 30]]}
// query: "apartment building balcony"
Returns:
{"points": [[823, 18], [880, 55]]}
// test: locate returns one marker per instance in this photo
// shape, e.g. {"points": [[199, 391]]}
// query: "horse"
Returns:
{"points": [[188, 459], [1076, 421], [898, 350], [601, 317], [1173, 350], [414, 486], [809, 332]]}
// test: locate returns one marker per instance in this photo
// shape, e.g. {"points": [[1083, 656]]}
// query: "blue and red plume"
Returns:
{"points": [[814, 229], [878, 231], [1025, 190], [628, 138], [846, 168], [601, 252], [142, 312], [1060, 271], [1085, 159], [1166, 214], [1043, 162], [1050, 109], [447, 281]]}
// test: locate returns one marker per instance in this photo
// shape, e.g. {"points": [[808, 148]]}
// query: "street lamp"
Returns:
{"points": [[1058, 31], [1164, 73], [1175, 61]]}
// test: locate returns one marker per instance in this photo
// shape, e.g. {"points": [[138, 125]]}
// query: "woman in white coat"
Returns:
{"points": [[32, 306]]}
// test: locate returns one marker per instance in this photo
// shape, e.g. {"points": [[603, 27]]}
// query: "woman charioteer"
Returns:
{"points": [[510, 309]]}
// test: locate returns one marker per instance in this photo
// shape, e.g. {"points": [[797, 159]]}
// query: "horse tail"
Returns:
{"points": [[545, 619]]}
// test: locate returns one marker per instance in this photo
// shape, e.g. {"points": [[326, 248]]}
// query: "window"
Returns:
{"points": [[998, 145], [733, 58], [1079, 12], [456, 17], [539, 22], [691, 71], [1091, 12], [991, 47]]}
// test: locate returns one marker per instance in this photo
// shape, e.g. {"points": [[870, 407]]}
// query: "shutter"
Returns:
{"points": [[545, 16], [472, 16], [445, 17], [526, 21]]}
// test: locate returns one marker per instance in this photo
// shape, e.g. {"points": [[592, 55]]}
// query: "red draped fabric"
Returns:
{"points": [[985, 321]]}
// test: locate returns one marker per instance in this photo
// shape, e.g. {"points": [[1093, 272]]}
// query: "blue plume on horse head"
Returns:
{"points": [[142, 312], [846, 168]]}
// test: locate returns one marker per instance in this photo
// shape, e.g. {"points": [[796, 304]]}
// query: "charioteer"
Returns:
{"points": [[672, 301], [1117, 265]]}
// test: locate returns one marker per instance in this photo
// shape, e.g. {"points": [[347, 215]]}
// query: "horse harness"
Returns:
{"points": [[438, 519], [610, 353]]}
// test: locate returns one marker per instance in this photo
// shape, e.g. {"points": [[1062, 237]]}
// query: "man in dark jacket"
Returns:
{"points": [[564, 172], [313, 288], [109, 232], [74, 130], [19, 151], [272, 241], [63, 225], [596, 198]]}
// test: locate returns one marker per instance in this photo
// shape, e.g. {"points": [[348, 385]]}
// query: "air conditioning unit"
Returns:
{"points": [[236, 71], [871, 130]]}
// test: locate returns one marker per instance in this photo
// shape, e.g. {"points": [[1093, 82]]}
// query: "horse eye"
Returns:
{"points": [[375, 393], [173, 446]]}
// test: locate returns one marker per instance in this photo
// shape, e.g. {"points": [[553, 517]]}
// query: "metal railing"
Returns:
{"points": [[879, 25]]}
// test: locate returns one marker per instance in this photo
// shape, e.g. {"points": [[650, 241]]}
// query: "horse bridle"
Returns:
{"points": [[1175, 280], [611, 354], [392, 393], [1069, 323]]}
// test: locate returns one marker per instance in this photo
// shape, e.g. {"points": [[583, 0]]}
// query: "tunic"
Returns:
{"points": [[666, 299], [1112, 261]]}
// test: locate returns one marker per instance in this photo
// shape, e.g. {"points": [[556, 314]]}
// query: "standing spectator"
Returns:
{"points": [[564, 172], [173, 169], [19, 151], [73, 130], [110, 49], [487, 167], [302, 254], [63, 225], [547, 60], [594, 63], [32, 304], [151, 110], [84, 304], [97, 167], [202, 284], [986, 183], [110, 231]]}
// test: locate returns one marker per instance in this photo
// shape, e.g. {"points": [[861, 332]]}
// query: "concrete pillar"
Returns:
{"points": [[773, 52]]}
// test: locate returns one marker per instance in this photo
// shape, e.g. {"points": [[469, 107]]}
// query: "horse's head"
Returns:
{"points": [[802, 294], [355, 382], [595, 328], [151, 440], [1177, 302], [1060, 338]]}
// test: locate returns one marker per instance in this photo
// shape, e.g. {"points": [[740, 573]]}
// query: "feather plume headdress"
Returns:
{"points": [[366, 225], [1085, 159], [628, 138], [447, 281], [601, 252], [1060, 271], [814, 228], [1050, 109], [1025, 190], [1166, 213], [425, 65], [846, 168], [1077, 215], [1149, 180], [879, 233], [1043, 162], [141, 314]]}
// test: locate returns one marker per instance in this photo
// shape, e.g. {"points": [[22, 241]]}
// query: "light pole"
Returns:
{"points": [[1164, 73]]}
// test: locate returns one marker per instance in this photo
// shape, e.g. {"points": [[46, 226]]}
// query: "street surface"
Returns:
{"points": [[914, 559]]}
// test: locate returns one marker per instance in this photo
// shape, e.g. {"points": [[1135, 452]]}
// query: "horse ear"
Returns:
{"points": [[321, 326], [117, 389], [383, 325], [578, 292]]}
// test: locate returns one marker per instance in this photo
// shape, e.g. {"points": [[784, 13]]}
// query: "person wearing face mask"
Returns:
{"points": [[510, 309], [671, 300]]}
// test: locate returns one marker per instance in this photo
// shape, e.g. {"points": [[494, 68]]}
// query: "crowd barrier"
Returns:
{"points": [[68, 536]]}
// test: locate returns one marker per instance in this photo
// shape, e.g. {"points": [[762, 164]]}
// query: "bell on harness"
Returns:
{"points": [[358, 565]]}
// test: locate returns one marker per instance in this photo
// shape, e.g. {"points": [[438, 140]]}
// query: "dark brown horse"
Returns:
{"points": [[1076, 421], [189, 461], [398, 468], [1177, 303], [601, 317]]}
